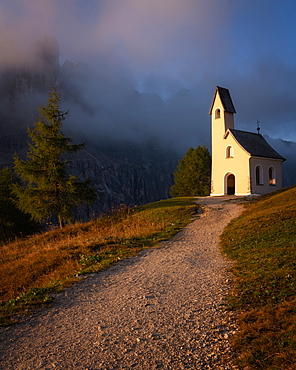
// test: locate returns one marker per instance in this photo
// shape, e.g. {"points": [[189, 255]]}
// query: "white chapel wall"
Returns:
{"points": [[223, 165], [264, 164]]}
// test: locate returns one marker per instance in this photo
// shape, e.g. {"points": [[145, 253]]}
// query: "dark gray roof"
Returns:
{"points": [[225, 98], [255, 144]]}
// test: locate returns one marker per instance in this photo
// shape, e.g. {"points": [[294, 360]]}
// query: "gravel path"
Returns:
{"points": [[162, 309]]}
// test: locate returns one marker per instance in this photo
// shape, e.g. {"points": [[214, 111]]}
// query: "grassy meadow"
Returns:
{"points": [[262, 241], [32, 268]]}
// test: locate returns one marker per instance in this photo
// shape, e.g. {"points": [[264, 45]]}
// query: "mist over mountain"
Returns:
{"points": [[127, 165], [134, 139]]}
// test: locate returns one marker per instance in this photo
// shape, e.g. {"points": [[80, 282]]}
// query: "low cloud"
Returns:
{"points": [[149, 68]]}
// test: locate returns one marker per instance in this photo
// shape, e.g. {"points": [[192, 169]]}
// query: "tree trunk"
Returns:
{"points": [[61, 222]]}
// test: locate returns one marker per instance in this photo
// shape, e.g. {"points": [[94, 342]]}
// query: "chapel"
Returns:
{"points": [[243, 163]]}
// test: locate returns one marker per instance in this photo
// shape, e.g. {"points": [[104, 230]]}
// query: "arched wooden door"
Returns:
{"points": [[230, 184]]}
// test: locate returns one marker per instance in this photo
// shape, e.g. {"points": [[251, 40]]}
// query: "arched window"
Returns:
{"points": [[271, 176], [259, 176], [229, 152], [217, 113]]}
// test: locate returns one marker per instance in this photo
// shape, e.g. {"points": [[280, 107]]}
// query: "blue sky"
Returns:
{"points": [[162, 46]]}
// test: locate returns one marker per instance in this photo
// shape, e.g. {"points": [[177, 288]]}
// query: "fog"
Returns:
{"points": [[148, 69]]}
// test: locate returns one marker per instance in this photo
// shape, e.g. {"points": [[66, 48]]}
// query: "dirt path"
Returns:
{"points": [[162, 309]]}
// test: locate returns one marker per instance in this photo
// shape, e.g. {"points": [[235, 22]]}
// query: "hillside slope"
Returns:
{"points": [[32, 267], [262, 241], [162, 309]]}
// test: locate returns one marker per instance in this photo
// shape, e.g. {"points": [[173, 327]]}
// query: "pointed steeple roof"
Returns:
{"points": [[225, 98]]}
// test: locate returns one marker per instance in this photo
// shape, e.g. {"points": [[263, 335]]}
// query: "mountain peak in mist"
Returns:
{"points": [[47, 50]]}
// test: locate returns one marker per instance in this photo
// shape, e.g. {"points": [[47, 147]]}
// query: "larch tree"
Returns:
{"points": [[13, 222], [193, 174], [47, 190]]}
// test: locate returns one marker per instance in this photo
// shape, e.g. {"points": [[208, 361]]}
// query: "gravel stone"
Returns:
{"points": [[162, 309]]}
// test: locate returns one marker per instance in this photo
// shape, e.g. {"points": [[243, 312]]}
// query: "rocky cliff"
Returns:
{"points": [[125, 173]]}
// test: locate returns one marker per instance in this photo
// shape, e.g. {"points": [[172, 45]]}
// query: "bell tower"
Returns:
{"points": [[222, 112]]}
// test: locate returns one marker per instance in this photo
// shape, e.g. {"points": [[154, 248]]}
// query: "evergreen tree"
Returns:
{"points": [[13, 222], [47, 189], [193, 174]]}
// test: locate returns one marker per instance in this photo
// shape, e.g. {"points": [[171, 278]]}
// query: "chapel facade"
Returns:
{"points": [[243, 163]]}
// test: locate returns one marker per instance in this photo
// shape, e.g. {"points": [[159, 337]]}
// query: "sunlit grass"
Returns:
{"points": [[32, 268], [262, 241]]}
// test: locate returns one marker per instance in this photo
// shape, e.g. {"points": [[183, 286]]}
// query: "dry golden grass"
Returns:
{"points": [[262, 241], [31, 268]]}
